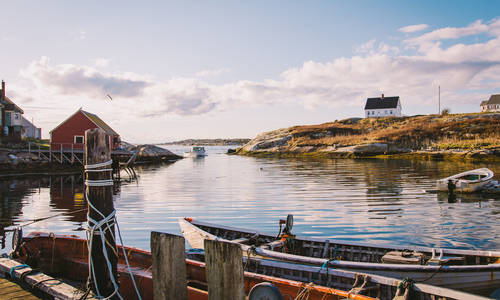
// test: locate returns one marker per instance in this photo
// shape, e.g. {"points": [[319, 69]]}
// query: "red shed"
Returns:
{"points": [[72, 131]]}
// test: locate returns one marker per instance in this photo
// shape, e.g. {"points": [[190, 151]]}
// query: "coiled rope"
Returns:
{"points": [[100, 228]]}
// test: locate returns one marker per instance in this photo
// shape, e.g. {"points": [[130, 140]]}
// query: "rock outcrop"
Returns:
{"points": [[473, 136]]}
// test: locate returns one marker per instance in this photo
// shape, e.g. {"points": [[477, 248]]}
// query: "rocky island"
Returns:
{"points": [[475, 137]]}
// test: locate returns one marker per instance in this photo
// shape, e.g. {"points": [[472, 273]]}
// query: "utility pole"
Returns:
{"points": [[439, 99]]}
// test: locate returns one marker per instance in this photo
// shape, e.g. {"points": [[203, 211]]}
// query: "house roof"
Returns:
{"points": [[99, 122], [10, 105], [494, 99], [483, 103], [381, 103], [94, 118]]}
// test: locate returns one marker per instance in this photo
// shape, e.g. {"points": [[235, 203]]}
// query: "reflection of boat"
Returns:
{"points": [[466, 182], [67, 256], [196, 151], [468, 270]]}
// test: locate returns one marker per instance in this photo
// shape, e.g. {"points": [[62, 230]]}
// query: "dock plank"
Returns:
{"points": [[10, 290], [44, 283]]}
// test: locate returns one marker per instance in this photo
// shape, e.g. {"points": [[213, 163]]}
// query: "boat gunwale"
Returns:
{"points": [[483, 253]]}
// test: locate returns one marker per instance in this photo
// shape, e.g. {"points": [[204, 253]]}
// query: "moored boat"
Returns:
{"points": [[467, 270], [196, 151], [66, 256], [466, 182]]}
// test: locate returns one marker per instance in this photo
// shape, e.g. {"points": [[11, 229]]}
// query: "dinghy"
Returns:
{"points": [[66, 257], [466, 182], [467, 270]]}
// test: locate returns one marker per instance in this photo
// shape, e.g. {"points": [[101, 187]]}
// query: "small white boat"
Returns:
{"points": [[196, 151], [466, 182]]}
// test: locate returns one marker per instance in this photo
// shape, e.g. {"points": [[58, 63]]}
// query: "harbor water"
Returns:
{"points": [[368, 200]]}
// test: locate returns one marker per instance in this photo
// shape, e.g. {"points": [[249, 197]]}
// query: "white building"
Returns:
{"points": [[491, 105], [383, 107]]}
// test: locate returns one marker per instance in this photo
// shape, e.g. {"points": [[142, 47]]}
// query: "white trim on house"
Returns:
{"points": [[78, 136]]}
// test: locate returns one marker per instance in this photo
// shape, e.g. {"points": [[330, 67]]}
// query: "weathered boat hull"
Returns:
{"points": [[66, 257], [464, 185], [482, 277]]}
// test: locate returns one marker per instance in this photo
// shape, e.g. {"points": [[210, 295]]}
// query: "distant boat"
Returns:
{"points": [[196, 151], [466, 182]]}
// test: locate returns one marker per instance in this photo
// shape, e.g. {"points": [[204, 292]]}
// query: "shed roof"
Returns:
{"points": [[94, 118], [381, 103], [99, 122], [494, 99]]}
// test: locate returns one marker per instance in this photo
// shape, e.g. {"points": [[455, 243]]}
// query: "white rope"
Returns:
{"points": [[96, 228], [99, 170], [101, 182], [99, 165]]}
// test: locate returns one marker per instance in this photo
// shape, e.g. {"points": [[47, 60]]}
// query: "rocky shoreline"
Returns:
{"points": [[471, 137], [18, 162]]}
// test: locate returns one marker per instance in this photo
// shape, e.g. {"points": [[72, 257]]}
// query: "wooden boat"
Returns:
{"points": [[66, 256], [466, 182], [467, 270]]}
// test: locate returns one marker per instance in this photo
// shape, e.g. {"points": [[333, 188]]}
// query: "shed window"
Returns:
{"points": [[78, 139]]}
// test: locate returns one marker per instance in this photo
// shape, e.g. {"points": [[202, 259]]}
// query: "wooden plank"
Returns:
{"points": [[43, 282], [168, 266], [98, 150], [224, 270]]}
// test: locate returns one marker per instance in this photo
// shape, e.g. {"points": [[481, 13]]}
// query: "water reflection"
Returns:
{"points": [[380, 201]]}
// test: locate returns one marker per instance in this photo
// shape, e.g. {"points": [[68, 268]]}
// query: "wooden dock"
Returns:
{"points": [[12, 290]]}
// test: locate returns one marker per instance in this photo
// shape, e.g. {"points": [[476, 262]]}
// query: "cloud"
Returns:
{"points": [[209, 73], [474, 28], [464, 71], [81, 80], [413, 28]]}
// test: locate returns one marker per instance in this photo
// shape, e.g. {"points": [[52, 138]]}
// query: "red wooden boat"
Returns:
{"points": [[65, 257]]}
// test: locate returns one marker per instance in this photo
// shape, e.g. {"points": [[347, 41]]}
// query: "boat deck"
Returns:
{"points": [[12, 290]]}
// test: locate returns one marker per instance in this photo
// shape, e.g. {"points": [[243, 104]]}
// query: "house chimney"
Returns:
{"points": [[3, 90], [382, 96]]}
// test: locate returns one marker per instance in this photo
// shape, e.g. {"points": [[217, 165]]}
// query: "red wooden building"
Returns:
{"points": [[71, 132]]}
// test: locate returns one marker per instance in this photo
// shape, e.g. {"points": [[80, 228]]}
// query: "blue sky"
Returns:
{"points": [[207, 69]]}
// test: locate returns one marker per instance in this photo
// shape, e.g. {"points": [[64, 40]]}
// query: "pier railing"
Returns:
{"points": [[58, 152]]}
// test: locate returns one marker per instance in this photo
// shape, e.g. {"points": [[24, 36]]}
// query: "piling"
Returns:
{"points": [[168, 266], [98, 151], [224, 270]]}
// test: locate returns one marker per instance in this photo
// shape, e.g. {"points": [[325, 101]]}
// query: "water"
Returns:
{"points": [[378, 201]]}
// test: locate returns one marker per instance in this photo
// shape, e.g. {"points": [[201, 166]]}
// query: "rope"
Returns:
{"points": [[18, 267], [325, 266], [304, 292], [99, 165], [101, 228]]}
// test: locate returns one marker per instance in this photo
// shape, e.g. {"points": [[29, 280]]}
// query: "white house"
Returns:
{"points": [[383, 107], [493, 104], [30, 130]]}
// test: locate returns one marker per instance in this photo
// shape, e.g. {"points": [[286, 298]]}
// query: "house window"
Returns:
{"points": [[390, 112], [78, 139], [16, 116], [368, 113]]}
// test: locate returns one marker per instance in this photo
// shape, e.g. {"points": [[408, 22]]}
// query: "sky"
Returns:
{"points": [[234, 69]]}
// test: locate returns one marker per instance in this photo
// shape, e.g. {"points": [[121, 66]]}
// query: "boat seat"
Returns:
{"points": [[442, 259], [403, 257]]}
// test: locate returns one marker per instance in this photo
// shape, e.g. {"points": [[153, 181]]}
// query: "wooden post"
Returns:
{"points": [[72, 155], [224, 270], [169, 266], [98, 150], [39, 154], [61, 153]]}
